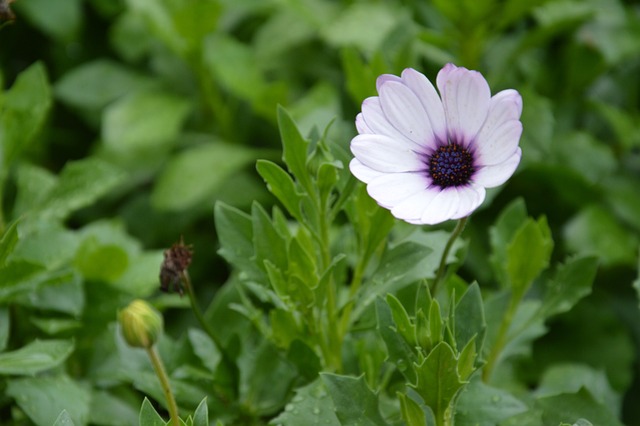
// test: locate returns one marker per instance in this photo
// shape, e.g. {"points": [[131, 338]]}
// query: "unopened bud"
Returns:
{"points": [[141, 324]]}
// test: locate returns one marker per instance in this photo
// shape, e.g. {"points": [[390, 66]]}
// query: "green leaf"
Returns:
{"points": [[573, 406], [59, 290], [201, 415], [205, 349], [149, 416], [33, 184], [310, 406], [80, 184], [35, 357], [569, 378], [143, 121], [44, 398], [8, 242], [23, 111], [596, 231], [571, 283], [502, 232], [101, 262], [411, 411], [295, 149], [94, 85], [61, 20], [64, 419], [266, 378], [482, 405], [438, 379], [469, 318], [109, 410], [354, 402], [282, 186], [268, 243], [400, 352], [193, 177], [401, 319], [528, 254]]}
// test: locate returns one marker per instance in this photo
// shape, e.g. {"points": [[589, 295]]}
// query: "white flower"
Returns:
{"points": [[429, 158]]}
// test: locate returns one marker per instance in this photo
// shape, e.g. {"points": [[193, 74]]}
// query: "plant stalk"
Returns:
{"points": [[186, 281], [445, 254], [501, 340], [158, 366]]}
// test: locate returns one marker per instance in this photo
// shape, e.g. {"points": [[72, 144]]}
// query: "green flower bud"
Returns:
{"points": [[141, 324]]}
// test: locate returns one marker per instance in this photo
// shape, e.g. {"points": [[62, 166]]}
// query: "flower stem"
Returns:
{"points": [[158, 366], [186, 281], [501, 339], [445, 254]]}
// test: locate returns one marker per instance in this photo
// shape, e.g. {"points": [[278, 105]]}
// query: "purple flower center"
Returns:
{"points": [[451, 165]]}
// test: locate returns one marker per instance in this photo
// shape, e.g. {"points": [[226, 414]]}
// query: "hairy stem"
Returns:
{"points": [[158, 366]]}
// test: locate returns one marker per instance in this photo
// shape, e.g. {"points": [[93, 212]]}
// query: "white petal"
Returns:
{"points": [[362, 172], [430, 100], [495, 175], [361, 125], [510, 100], [391, 188], [495, 146], [385, 154], [465, 95], [471, 196], [442, 208], [382, 79], [412, 207], [404, 110], [378, 123]]}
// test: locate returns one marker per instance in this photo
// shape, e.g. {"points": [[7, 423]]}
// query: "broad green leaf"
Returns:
{"points": [[573, 406], [143, 121], [59, 290], [364, 26], [571, 283], [205, 349], [94, 85], [438, 379], [46, 243], [64, 419], [235, 233], [588, 156], [33, 184], [294, 148], [80, 184], [528, 254], [482, 405], [35, 357], [159, 20], [109, 410], [149, 416], [282, 186], [569, 378], [23, 110], [596, 231], [193, 177], [100, 262], [53, 326], [266, 379], [44, 398], [201, 415], [469, 318], [311, 406], [355, 404], [18, 278], [61, 20], [400, 352], [268, 243], [305, 359]]}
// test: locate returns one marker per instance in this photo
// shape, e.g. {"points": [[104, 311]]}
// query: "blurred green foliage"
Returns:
{"points": [[123, 122]]}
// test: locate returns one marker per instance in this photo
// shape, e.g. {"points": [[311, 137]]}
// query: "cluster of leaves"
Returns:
{"points": [[122, 124]]}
